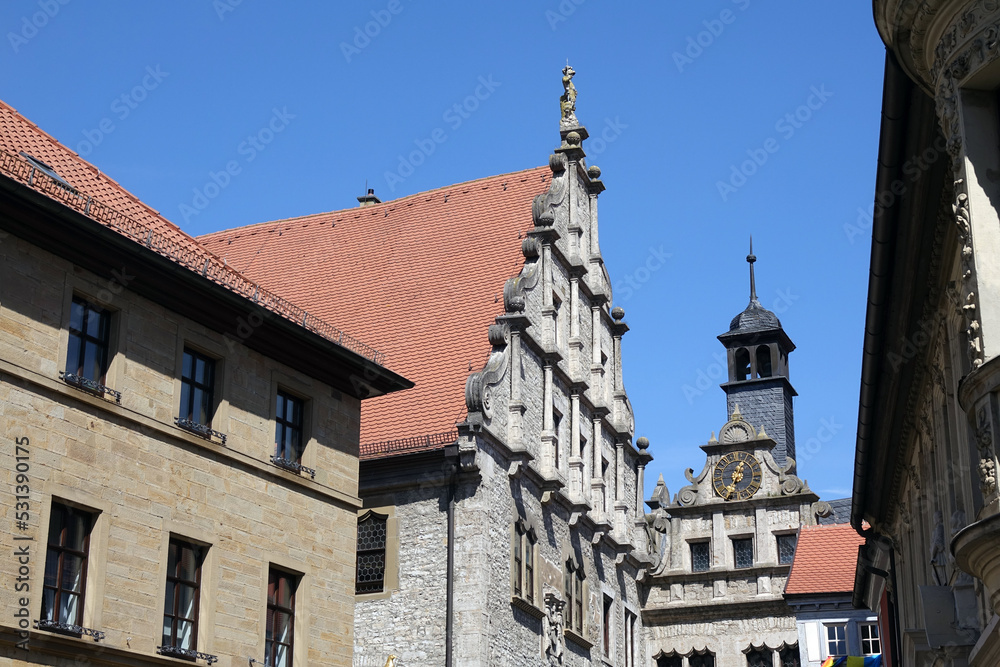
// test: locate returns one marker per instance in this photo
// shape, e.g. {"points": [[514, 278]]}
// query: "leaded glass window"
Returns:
{"points": [[789, 656], [786, 549], [743, 552], [759, 657], [370, 576], [700, 557]]}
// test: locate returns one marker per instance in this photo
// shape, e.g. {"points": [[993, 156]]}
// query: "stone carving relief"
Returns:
{"points": [[789, 482], [938, 551], [969, 303], [514, 289], [689, 494], [479, 387], [554, 628], [987, 461]]}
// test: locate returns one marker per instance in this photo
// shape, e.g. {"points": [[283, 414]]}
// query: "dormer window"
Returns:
{"points": [[741, 364]]}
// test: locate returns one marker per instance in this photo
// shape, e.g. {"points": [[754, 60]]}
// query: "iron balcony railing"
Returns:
{"points": [[191, 256], [68, 628], [88, 385], [203, 430], [292, 466], [188, 653]]}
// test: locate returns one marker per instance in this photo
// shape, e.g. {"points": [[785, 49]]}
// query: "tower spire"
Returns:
{"points": [[751, 258]]}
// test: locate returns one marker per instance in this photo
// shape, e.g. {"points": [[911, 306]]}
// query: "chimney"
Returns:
{"points": [[369, 199]]}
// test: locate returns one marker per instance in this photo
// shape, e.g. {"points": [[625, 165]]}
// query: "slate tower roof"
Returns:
{"points": [[757, 351]]}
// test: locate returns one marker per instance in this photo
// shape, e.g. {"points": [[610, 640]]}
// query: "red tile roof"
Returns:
{"points": [[421, 278], [825, 560], [107, 202]]}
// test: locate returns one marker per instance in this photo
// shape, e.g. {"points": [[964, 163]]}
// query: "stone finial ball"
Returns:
{"points": [[618, 313], [573, 138], [643, 443], [594, 172]]}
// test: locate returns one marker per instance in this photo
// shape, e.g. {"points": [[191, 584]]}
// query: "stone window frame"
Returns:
{"points": [[304, 390], [59, 550], [208, 587], [733, 539], [632, 639], [690, 554], [574, 568], [762, 651], [777, 546], [390, 580], [117, 309], [525, 526], [101, 510], [189, 338], [608, 636], [300, 629], [672, 659]]}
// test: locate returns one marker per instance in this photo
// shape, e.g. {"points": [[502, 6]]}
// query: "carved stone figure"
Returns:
{"points": [[554, 628], [567, 103], [988, 476]]}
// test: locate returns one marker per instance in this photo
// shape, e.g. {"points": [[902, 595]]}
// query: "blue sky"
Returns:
{"points": [[719, 119]]}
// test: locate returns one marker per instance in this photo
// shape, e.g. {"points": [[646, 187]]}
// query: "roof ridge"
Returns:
{"points": [[359, 210]]}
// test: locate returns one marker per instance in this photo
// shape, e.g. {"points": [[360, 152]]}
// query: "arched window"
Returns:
{"points": [[763, 361], [670, 660], [788, 656], [370, 577], [741, 364], [701, 659], [759, 657]]}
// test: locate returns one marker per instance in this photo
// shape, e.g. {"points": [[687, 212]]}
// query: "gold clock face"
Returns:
{"points": [[736, 476]]}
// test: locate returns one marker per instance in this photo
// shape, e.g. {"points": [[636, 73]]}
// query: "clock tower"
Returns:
{"points": [[715, 598], [757, 352]]}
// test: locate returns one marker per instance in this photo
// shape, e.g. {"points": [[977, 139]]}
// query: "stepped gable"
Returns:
{"points": [[826, 558], [419, 278], [36, 159]]}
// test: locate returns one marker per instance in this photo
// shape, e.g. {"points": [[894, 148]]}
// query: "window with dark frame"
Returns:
{"points": [[759, 657], [197, 388], [280, 617], [89, 341], [372, 533], [836, 640], [573, 590], [789, 656], [523, 560], [786, 549], [630, 622], [529, 566], [870, 642], [705, 659], [743, 552], [64, 584], [608, 606], [288, 428], [181, 599], [672, 660], [700, 557]]}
